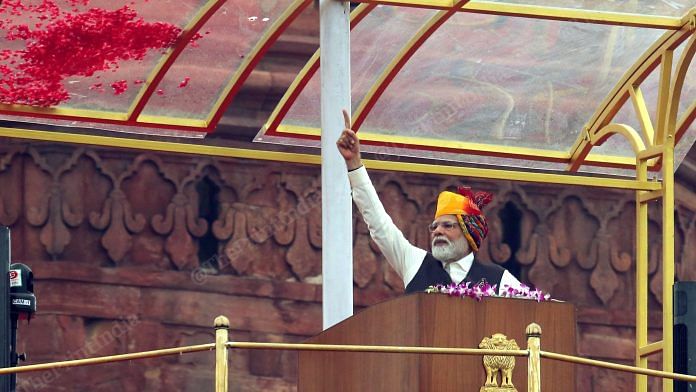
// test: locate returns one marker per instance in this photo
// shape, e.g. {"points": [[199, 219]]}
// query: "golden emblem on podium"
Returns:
{"points": [[498, 363]]}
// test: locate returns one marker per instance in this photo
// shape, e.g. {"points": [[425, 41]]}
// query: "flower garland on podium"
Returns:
{"points": [[481, 290]]}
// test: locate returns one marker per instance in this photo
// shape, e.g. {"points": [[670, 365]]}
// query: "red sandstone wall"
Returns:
{"points": [[113, 239]]}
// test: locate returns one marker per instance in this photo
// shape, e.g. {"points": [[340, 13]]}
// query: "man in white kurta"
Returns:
{"points": [[455, 233]]}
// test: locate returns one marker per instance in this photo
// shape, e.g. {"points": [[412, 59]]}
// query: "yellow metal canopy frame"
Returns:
{"points": [[661, 127]]}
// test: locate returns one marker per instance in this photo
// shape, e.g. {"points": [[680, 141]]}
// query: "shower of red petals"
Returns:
{"points": [[184, 82], [67, 44], [119, 87]]}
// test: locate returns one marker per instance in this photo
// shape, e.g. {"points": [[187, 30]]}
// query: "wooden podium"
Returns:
{"points": [[437, 320]]}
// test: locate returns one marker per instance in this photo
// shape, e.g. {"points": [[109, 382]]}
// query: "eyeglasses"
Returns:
{"points": [[446, 225]]}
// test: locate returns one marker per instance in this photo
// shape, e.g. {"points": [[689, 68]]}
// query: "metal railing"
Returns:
{"points": [[222, 344]]}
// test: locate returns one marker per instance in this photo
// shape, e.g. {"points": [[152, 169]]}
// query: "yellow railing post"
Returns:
{"points": [[641, 358], [222, 326], [534, 361], [667, 260]]}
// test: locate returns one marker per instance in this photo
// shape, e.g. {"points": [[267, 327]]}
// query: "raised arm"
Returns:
{"points": [[349, 144], [401, 254]]}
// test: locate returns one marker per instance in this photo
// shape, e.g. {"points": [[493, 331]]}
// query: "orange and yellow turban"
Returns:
{"points": [[467, 207]]}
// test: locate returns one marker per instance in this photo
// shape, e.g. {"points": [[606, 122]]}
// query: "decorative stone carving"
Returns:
{"points": [[53, 211], [294, 217], [233, 228], [181, 223], [269, 221], [117, 216], [541, 250], [401, 201], [602, 256]]}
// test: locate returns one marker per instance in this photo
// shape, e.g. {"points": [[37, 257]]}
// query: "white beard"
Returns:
{"points": [[452, 251]]}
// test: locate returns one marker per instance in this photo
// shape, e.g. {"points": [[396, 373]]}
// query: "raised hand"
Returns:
{"points": [[349, 145]]}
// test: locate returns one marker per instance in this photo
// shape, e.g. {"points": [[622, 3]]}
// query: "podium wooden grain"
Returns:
{"points": [[432, 320]]}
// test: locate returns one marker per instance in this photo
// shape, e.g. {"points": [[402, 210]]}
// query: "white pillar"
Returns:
{"points": [[336, 204]]}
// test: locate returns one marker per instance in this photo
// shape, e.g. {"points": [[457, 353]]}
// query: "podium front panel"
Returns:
{"points": [[433, 320]]}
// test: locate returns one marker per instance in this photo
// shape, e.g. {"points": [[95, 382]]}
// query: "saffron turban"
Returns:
{"points": [[467, 206]]}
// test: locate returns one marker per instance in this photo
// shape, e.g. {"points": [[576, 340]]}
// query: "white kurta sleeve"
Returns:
{"points": [[404, 257]]}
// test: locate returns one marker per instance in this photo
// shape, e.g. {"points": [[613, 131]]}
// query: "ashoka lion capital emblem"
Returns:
{"points": [[494, 363]]}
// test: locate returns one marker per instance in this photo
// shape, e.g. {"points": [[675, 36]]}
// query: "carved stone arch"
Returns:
{"points": [[211, 172], [180, 223], [255, 225], [148, 187], [86, 186], [211, 201], [153, 161], [203, 168], [576, 226], [529, 218], [538, 248], [505, 216]]}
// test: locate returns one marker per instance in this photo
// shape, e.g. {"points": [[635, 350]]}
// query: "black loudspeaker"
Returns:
{"points": [[685, 334]]}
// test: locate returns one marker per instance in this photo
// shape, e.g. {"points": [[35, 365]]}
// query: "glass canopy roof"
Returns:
{"points": [[521, 83]]}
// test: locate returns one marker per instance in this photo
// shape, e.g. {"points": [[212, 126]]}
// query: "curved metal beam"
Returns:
{"points": [[160, 70], [143, 95], [634, 76], [677, 87], [643, 114], [627, 131], [245, 69], [574, 15], [685, 121], [220, 151], [546, 12], [282, 108], [405, 54], [134, 117]]}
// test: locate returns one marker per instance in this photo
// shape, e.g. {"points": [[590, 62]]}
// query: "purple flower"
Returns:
{"points": [[484, 289]]}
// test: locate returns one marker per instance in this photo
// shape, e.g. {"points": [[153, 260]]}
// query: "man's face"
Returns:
{"points": [[447, 240]]}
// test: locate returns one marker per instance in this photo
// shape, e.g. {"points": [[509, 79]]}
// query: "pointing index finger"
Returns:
{"points": [[346, 118]]}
